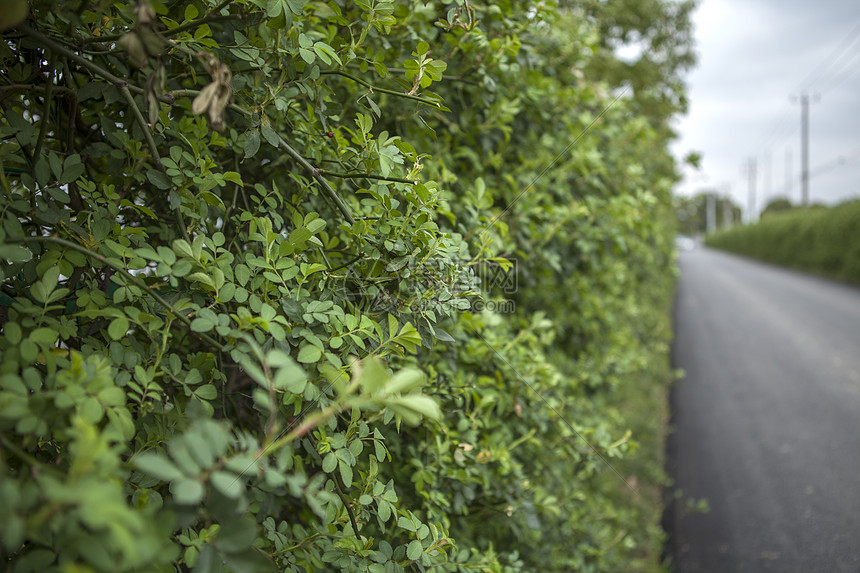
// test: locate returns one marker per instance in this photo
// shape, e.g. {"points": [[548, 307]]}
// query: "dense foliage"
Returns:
{"points": [[314, 286], [819, 240]]}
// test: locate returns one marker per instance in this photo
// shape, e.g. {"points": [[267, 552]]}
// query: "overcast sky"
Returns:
{"points": [[753, 56]]}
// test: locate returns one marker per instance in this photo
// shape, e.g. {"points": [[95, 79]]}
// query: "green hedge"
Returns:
{"points": [[260, 310], [820, 240]]}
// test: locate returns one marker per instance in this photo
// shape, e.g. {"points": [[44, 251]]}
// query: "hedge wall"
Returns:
{"points": [[820, 240], [334, 286]]}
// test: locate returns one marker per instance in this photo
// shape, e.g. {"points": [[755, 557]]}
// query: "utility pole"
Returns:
{"points": [[711, 213], [804, 146], [751, 173], [727, 214], [766, 187], [727, 206]]}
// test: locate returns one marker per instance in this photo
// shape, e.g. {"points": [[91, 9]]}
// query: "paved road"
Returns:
{"points": [[766, 420]]}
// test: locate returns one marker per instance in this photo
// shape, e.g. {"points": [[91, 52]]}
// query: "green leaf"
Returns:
{"points": [[202, 325], [373, 375], [43, 335], [157, 466], [404, 381], [309, 354], [414, 407], [91, 411], [206, 392], [329, 462], [187, 491], [300, 235], [270, 136], [236, 534], [315, 226], [274, 8], [118, 327], [404, 522], [345, 473], [15, 253], [13, 333], [414, 550], [159, 179], [227, 483], [72, 169], [242, 273], [29, 350], [252, 143], [291, 378]]}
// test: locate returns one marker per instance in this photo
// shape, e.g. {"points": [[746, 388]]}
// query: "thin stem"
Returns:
{"points": [[373, 88], [150, 141], [367, 176], [344, 499], [309, 424], [60, 49], [144, 126], [127, 275], [315, 173], [33, 88]]}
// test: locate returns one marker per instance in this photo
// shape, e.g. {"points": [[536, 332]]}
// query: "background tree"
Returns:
{"points": [[777, 205], [692, 217]]}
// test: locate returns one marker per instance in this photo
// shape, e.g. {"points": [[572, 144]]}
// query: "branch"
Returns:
{"points": [[373, 88], [367, 176], [346, 504], [150, 141], [144, 126], [34, 88], [60, 49], [315, 173], [127, 275]]}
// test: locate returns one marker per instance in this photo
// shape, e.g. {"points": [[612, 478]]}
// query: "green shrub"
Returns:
{"points": [[256, 311], [820, 240]]}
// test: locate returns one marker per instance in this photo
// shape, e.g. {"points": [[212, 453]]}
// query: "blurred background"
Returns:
{"points": [[758, 61]]}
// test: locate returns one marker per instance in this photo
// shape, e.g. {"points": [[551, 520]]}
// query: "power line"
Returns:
{"points": [[841, 80], [783, 118], [828, 62], [833, 164]]}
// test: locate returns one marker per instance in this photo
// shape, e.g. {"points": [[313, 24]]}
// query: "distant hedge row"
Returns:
{"points": [[820, 240]]}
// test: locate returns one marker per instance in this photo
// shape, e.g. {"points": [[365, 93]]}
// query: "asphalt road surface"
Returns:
{"points": [[766, 421]]}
